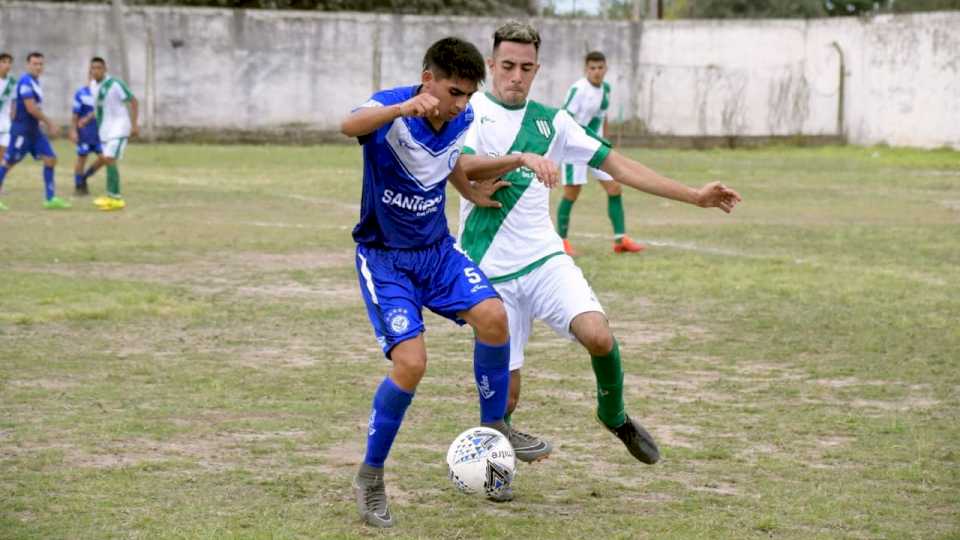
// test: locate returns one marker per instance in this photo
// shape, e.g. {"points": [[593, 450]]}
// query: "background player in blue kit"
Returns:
{"points": [[84, 131], [26, 137], [412, 138]]}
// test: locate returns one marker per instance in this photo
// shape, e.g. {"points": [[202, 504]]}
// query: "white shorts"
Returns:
{"points": [[576, 175], [4, 139], [555, 293], [114, 148]]}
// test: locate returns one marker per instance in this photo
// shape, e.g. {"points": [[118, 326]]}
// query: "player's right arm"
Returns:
{"points": [[366, 120], [34, 111], [75, 126], [484, 168]]}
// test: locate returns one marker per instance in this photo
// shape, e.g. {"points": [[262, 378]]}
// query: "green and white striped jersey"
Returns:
{"points": [[8, 86], [516, 239], [588, 104], [113, 118]]}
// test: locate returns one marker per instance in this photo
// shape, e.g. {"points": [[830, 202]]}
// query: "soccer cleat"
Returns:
{"points": [[56, 203], [3, 207], [112, 203], [528, 448], [568, 248], [627, 245], [636, 439], [81, 191], [372, 502], [505, 495], [101, 200]]}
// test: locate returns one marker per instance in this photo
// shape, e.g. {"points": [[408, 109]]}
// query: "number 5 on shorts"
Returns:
{"points": [[472, 276]]}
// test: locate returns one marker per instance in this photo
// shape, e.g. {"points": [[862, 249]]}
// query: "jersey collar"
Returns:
{"points": [[494, 99]]}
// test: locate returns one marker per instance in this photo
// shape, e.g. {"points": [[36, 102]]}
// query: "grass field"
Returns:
{"points": [[200, 365]]}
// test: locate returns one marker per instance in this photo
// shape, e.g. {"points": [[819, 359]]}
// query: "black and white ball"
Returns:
{"points": [[481, 460]]}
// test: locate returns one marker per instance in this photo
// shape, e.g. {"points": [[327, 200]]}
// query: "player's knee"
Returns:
{"points": [[491, 322], [592, 330], [409, 369], [613, 189]]}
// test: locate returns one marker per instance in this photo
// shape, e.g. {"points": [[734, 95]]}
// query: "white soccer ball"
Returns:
{"points": [[481, 460]]}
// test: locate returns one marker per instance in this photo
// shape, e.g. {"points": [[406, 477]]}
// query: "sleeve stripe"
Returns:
{"points": [[601, 154]]}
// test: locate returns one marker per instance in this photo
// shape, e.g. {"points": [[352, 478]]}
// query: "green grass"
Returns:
{"points": [[200, 365]]}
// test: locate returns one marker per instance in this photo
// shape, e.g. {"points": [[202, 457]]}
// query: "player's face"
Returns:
{"points": [[514, 65], [97, 71], [596, 71], [35, 66], [454, 94], [5, 66]]}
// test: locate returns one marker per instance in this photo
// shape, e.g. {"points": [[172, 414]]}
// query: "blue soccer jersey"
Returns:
{"points": [[83, 102], [27, 88], [405, 168]]}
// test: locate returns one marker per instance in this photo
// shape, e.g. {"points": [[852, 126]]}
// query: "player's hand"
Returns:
{"points": [[483, 192], [547, 171], [134, 131], [423, 105], [52, 130], [72, 134], [717, 195]]}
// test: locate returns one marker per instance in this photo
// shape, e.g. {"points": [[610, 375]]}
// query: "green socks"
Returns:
{"points": [[563, 216], [113, 181], [609, 372], [615, 211]]}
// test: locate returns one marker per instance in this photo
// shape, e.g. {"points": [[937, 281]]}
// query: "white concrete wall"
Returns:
{"points": [[253, 70]]}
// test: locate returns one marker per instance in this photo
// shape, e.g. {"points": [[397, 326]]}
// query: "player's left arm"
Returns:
{"points": [[480, 195], [134, 115], [638, 176]]}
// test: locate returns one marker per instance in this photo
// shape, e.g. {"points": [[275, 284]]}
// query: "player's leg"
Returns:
{"points": [[97, 164], [593, 331], [527, 447], [491, 359], [395, 315], [112, 153], [79, 182], [44, 151], [621, 242], [12, 155], [574, 177]]}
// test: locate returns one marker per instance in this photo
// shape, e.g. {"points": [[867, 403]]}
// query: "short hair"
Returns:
{"points": [[455, 58], [5, 56], [98, 60], [517, 32], [594, 56], [33, 55]]}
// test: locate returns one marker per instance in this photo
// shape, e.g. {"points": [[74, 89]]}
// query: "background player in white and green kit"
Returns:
{"points": [[517, 246], [587, 102], [116, 125], [7, 86]]}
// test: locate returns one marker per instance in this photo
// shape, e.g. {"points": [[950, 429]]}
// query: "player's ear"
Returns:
{"points": [[490, 63], [426, 77]]}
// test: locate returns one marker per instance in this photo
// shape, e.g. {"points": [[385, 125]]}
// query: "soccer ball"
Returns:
{"points": [[481, 460]]}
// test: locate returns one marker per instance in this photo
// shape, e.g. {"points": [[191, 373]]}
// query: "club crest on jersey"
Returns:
{"points": [[454, 156], [544, 128]]}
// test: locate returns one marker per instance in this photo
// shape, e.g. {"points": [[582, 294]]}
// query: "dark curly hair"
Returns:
{"points": [[454, 58]]}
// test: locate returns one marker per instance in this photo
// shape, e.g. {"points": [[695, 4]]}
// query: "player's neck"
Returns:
{"points": [[598, 85], [492, 94]]}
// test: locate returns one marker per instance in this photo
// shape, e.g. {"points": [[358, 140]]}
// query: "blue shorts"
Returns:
{"points": [[84, 148], [396, 284], [31, 142]]}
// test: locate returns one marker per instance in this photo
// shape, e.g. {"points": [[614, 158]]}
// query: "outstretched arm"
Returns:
{"points": [[483, 168], [631, 173], [134, 116], [368, 119]]}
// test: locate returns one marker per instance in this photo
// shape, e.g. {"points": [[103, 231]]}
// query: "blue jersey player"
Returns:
{"points": [[84, 134], [26, 137], [412, 138]]}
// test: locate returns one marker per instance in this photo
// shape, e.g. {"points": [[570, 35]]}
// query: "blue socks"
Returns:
{"points": [[48, 182], [389, 403], [78, 180], [491, 367], [3, 174]]}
